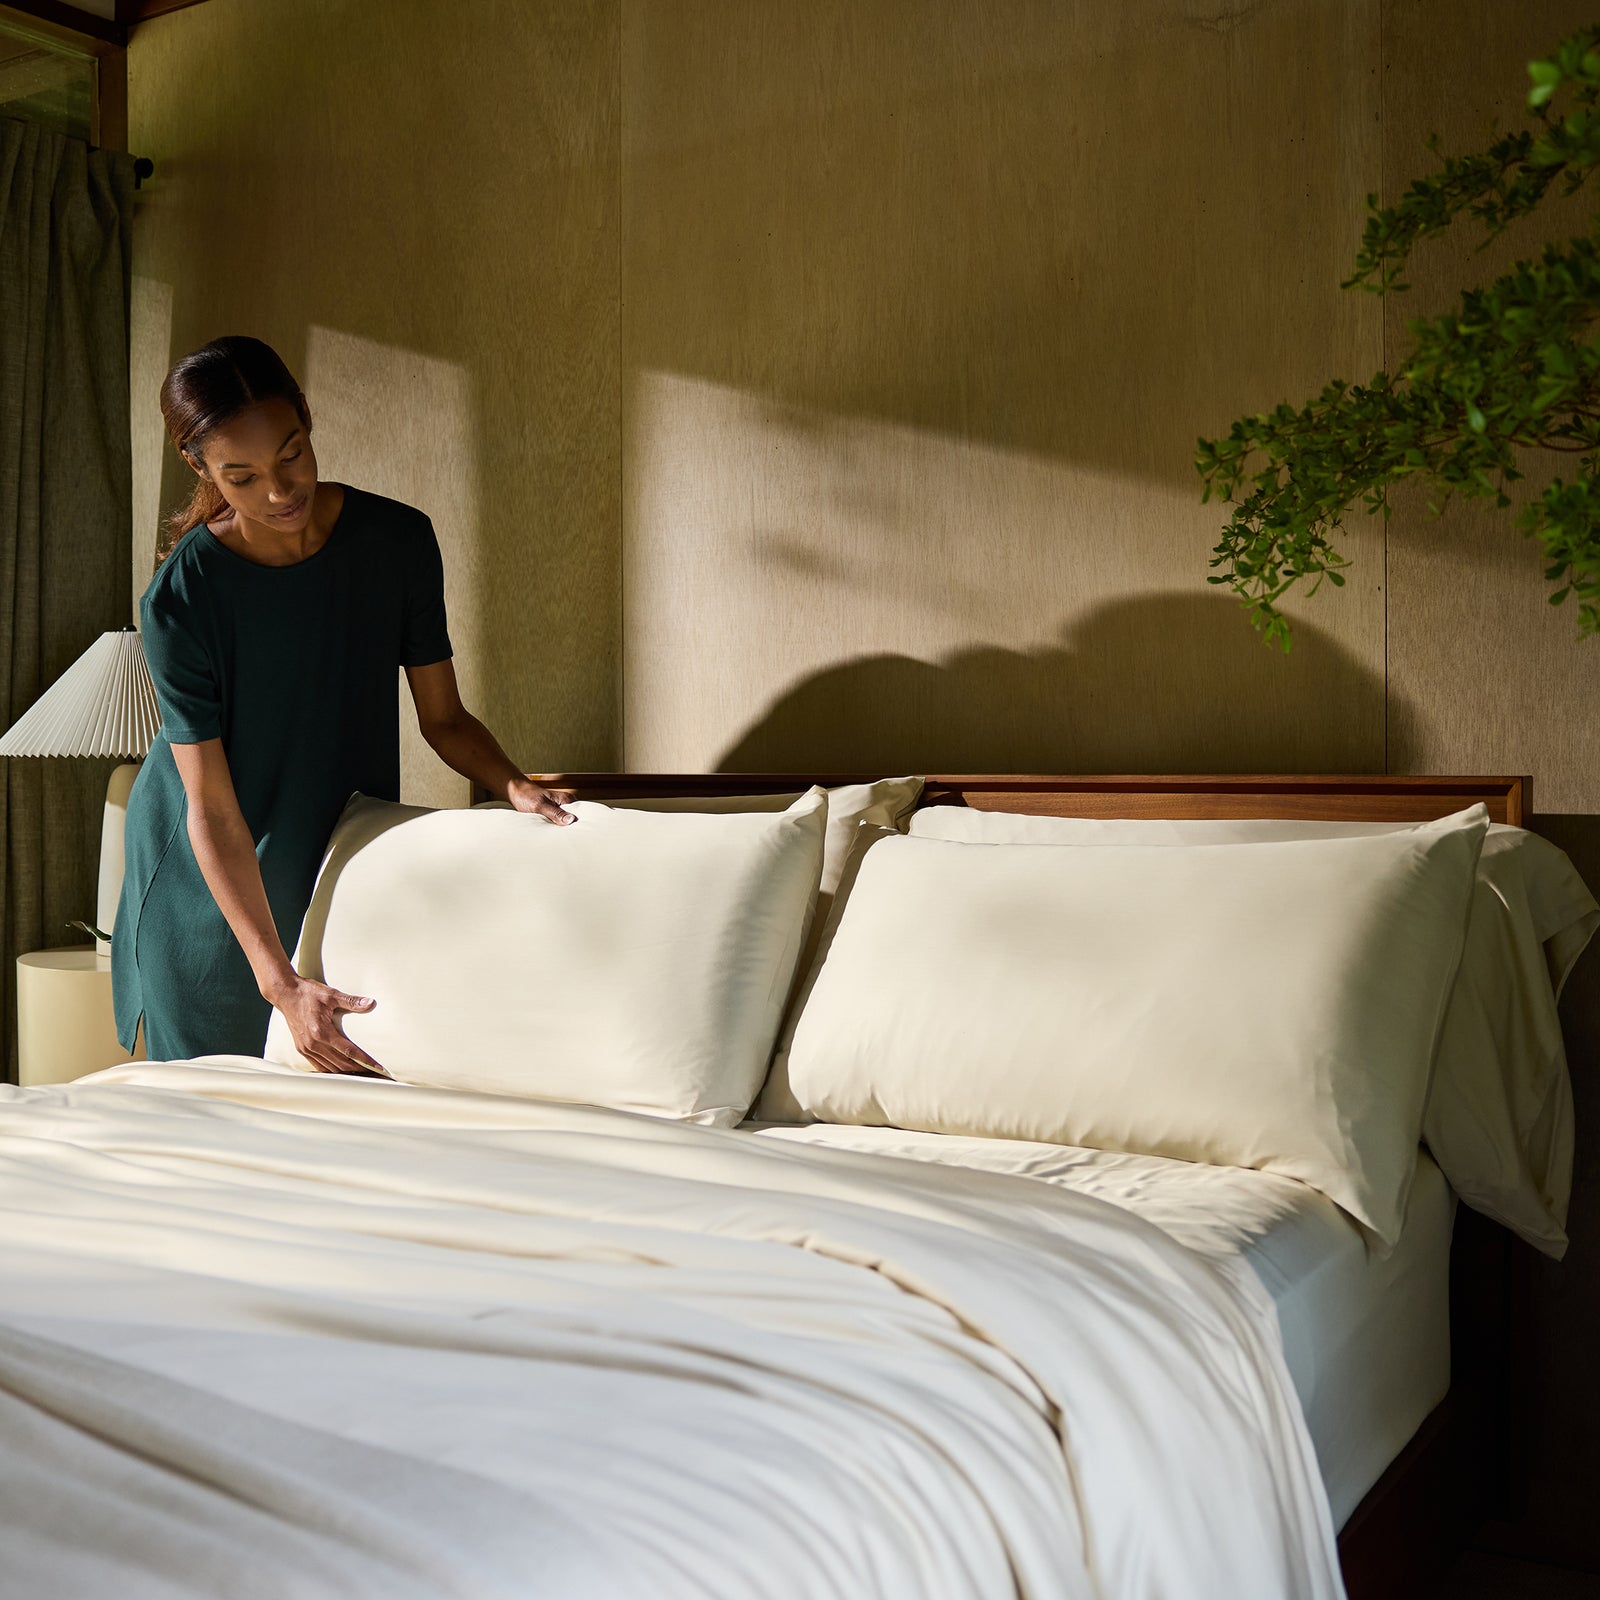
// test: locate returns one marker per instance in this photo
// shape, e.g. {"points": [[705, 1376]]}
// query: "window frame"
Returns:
{"points": [[101, 43]]}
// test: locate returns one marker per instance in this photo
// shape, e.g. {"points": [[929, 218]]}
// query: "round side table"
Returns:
{"points": [[65, 1026]]}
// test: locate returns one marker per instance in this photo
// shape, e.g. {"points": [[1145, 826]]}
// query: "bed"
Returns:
{"points": [[265, 1333]]}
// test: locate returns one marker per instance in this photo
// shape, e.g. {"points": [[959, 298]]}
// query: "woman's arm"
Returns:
{"points": [[467, 747], [226, 854]]}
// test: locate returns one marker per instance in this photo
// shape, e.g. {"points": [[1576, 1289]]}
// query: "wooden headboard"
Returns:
{"points": [[1330, 799]]}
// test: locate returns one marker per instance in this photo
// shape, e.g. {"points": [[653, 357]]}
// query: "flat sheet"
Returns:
{"points": [[265, 1334], [1367, 1341]]}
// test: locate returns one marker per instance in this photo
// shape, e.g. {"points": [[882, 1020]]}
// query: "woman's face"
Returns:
{"points": [[263, 463]]}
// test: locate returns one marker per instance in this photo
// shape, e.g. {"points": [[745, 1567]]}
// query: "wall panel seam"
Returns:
{"points": [[620, 742], [1383, 329]]}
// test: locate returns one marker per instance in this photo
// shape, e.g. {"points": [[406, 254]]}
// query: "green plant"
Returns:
{"points": [[1514, 369]]}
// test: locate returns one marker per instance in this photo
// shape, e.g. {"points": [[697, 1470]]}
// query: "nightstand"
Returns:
{"points": [[65, 1026]]}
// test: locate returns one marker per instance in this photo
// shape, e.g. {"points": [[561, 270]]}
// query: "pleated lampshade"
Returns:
{"points": [[104, 704]]}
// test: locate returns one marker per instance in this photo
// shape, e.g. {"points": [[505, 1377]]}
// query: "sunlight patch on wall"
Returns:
{"points": [[402, 424], [802, 588]]}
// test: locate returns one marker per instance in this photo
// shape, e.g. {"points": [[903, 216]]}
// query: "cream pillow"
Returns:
{"points": [[632, 960], [1266, 1005], [1499, 1115]]}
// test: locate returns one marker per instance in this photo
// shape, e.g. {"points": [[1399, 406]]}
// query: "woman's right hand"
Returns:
{"points": [[312, 1011]]}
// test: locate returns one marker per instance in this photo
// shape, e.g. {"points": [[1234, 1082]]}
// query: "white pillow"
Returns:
{"points": [[1266, 1005], [1499, 1113], [630, 959]]}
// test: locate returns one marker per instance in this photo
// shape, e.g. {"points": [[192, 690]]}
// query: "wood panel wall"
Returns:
{"points": [[816, 384], [416, 205], [1481, 667], [923, 309]]}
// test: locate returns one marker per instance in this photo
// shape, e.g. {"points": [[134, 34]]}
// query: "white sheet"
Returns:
{"points": [[265, 1334], [1367, 1341]]}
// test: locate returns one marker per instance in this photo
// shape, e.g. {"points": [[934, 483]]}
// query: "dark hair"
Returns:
{"points": [[204, 390]]}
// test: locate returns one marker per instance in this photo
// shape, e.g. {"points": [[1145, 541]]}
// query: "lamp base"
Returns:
{"points": [[112, 850]]}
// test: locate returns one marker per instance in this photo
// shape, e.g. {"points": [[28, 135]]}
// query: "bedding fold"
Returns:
{"points": [[127, 1482]]}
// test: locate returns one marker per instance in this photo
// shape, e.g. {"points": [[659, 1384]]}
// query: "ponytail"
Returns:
{"points": [[204, 504]]}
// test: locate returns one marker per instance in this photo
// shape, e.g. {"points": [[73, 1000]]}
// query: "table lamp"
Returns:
{"points": [[104, 704]]}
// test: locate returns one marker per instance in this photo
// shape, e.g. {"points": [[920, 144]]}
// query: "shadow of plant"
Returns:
{"points": [[1161, 684]]}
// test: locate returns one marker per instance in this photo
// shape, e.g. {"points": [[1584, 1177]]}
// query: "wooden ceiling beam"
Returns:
{"points": [[66, 24], [130, 12]]}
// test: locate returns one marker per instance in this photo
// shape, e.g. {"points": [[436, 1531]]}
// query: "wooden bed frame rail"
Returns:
{"points": [[1360, 798], [1457, 1470]]}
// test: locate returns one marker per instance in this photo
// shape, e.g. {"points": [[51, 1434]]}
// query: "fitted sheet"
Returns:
{"points": [[1366, 1341]]}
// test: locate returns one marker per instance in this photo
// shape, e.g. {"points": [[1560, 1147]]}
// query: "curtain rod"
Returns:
{"points": [[143, 166]]}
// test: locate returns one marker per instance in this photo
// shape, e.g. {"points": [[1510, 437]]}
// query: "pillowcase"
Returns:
{"points": [[1499, 1115], [777, 1102], [886, 802], [1266, 1005], [632, 960]]}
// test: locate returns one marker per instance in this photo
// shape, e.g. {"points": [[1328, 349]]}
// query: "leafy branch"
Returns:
{"points": [[1515, 368]]}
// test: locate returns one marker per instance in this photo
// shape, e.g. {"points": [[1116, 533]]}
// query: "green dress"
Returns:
{"points": [[295, 669]]}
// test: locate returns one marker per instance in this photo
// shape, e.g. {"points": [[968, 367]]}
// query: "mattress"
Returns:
{"points": [[1367, 1341]]}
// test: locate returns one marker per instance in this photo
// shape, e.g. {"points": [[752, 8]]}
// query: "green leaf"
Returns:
{"points": [[1513, 368]]}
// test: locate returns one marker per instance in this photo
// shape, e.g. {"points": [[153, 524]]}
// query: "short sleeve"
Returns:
{"points": [[186, 682], [425, 638]]}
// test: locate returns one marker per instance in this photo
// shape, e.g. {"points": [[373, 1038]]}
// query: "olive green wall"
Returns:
{"points": [[805, 384], [815, 383], [919, 326], [417, 205], [1482, 671]]}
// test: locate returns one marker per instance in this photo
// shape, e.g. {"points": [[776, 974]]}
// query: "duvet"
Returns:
{"points": [[271, 1335]]}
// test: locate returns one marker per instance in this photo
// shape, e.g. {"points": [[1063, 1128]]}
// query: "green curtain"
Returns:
{"points": [[65, 519]]}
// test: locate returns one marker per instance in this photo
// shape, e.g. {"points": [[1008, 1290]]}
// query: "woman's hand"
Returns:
{"points": [[526, 795], [312, 1011], [466, 746]]}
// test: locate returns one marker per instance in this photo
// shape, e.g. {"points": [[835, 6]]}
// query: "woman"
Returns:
{"points": [[273, 627]]}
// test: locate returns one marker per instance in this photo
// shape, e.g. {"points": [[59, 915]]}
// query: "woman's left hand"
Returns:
{"points": [[526, 795]]}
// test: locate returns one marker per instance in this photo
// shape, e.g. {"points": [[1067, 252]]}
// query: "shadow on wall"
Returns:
{"points": [[1161, 684]]}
